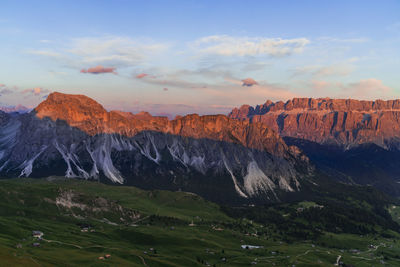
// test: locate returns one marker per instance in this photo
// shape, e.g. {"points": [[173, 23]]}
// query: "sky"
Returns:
{"points": [[206, 57]]}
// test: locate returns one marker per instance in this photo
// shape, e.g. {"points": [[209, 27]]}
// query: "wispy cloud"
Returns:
{"points": [[4, 90], [225, 45], [37, 91], [47, 53], [171, 81], [252, 94], [339, 69], [369, 89], [343, 40], [110, 50]]}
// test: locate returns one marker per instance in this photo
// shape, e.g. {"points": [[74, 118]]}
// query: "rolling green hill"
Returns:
{"points": [[83, 221]]}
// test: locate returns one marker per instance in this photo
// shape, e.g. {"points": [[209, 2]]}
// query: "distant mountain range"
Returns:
{"points": [[17, 108], [261, 154]]}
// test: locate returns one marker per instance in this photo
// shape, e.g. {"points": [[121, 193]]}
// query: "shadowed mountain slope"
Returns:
{"points": [[223, 159]]}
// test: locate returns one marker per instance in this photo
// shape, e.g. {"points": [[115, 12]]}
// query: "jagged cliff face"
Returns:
{"points": [[343, 122], [90, 117], [220, 158], [350, 140]]}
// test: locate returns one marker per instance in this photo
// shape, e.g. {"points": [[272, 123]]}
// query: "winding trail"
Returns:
{"points": [[362, 258], [305, 253]]}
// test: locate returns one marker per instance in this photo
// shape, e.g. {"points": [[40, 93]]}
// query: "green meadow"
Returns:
{"points": [[84, 221]]}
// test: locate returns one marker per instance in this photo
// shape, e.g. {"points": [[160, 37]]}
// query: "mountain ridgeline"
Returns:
{"points": [[342, 122], [265, 154], [351, 140], [223, 159]]}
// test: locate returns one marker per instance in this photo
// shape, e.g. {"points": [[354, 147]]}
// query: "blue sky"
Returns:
{"points": [[178, 57]]}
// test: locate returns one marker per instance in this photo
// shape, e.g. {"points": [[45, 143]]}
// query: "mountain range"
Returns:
{"points": [[262, 154], [17, 108], [353, 141]]}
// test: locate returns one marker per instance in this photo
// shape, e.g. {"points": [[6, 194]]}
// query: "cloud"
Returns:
{"points": [[186, 78], [343, 40], [368, 89], [99, 70], [108, 50], [249, 82], [47, 53], [225, 45], [4, 90], [340, 69], [141, 75], [37, 91], [319, 85], [117, 51], [233, 93], [170, 80]]}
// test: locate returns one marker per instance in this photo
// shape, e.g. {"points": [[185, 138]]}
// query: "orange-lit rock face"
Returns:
{"points": [[341, 121], [77, 110], [86, 114]]}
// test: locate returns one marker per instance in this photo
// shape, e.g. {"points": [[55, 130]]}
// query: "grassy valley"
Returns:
{"points": [[85, 222]]}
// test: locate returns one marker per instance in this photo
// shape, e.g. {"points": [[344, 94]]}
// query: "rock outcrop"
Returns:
{"points": [[343, 122]]}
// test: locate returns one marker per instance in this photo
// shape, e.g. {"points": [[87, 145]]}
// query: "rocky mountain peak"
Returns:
{"points": [[89, 116], [77, 110], [346, 122]]}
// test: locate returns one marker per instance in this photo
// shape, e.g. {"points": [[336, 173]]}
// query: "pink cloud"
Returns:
{"points": [[249, 82], [99, 70], [141, 75], [36, 91]]}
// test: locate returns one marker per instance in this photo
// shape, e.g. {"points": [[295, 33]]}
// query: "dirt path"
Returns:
{"points": [[305, 253], [361, 258], [143, 261], [74, 245], [337, 260], [63, 243]]}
